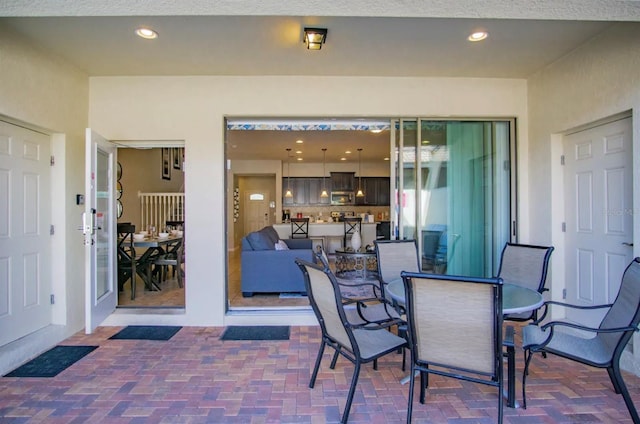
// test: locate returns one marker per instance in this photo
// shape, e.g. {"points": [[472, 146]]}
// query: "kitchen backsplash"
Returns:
{"points": [[380, 213]]}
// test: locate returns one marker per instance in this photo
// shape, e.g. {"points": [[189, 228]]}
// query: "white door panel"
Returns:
{"points": [[598, 204], [99, 227], [25, 217]]}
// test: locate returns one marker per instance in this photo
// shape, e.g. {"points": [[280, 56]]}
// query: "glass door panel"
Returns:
{"points": [[460, 215]]}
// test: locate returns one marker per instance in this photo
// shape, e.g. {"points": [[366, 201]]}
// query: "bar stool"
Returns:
{"points": [[351, 225], [299, 228]]}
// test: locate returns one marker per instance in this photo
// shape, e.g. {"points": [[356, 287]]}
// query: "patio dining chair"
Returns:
{"points": [[395, 256], [454, 330], [525, 265], [363, 301], [359, 344], [597, 347]]}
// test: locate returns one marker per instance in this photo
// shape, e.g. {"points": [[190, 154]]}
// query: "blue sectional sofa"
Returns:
{"points": [[267, 270]]}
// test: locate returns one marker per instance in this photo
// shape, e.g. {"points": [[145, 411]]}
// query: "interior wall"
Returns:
{"points": [[126, 108], [142, 172]]}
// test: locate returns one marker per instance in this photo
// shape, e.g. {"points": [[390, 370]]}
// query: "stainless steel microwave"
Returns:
{"points": [[342, 198]]}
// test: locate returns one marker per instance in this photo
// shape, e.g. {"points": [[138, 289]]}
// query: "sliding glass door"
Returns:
{"points": [[453, 181]]}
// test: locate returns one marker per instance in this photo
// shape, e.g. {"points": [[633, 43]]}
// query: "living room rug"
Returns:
{"points": [[256, 332], [146, 332], [52, 362]]}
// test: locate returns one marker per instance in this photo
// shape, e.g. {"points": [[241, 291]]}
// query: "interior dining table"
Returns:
{"points": [[154, 248], [515, 299]]}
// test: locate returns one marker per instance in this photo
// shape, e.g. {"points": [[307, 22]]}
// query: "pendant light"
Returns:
{"points": [[288, 193], [324, 172], [360, 193]]}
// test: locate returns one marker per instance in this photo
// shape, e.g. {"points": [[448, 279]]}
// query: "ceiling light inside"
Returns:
{"points": [[146, 33], [478, 36]]}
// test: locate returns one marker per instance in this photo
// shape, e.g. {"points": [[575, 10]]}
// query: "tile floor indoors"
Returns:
{"points": [[197, 378]]}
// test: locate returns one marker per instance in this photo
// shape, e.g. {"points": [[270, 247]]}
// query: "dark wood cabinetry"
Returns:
{"points": [[306, 191], [376, 192], [343, 181]]}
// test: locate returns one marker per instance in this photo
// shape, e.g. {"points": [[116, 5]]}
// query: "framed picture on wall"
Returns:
{"points": [[177, 158], [166, 163]]}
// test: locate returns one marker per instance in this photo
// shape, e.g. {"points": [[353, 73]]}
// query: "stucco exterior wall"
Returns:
{"points": [[193, 109], [41, 91], [599, 80]]}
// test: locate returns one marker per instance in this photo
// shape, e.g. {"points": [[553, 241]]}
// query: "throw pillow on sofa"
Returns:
{"points": [[281, 245]]}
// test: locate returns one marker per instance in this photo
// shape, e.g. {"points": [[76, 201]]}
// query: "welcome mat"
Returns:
{"points": [[146, 332], [256, 332], [52, 362]]}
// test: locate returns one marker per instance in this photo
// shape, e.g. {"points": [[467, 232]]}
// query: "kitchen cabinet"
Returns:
{"points": [[306, 192], [343, 181], [376, 192]]}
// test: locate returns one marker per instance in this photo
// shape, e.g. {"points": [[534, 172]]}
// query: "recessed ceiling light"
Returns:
{"points": [[386, 158], [298, 152], [348, 152], [343, 158], [300, 159], [299, 141], [146, 33], [478, 36], [376, 131]]}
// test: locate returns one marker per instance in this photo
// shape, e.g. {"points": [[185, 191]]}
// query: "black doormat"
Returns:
{"points": [[146, 332], [52, 362], [256, 332]]}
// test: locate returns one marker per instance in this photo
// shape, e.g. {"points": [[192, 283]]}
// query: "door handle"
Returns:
{"points": [[624, 243]]}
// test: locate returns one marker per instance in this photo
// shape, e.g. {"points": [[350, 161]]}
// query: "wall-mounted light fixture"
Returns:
{"points": [[359, 193], [288, 193], [324, 171], [314, 38]]}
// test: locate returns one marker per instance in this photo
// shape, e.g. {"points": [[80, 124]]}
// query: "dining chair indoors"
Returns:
{"points": [[126, 255], [454, 330], [525, 265], [597, 347], [359, 344]]}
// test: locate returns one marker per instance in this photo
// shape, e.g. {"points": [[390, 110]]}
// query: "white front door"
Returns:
{"points": [[599, 221], [25, 245], [99, 227], [256, 214]]}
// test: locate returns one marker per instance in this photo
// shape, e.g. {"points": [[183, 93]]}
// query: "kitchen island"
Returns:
{"points": [[329, 233]]}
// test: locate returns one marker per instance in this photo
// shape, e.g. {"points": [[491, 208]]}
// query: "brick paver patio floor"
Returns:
{"points": [[197, 378]]}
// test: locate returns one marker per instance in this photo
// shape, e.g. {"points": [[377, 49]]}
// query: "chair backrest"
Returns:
{"points": [[455, 322], [125, 250], [625, 310], [326, 301], [525, 265], [395, 256], [299, 228], [321, 257]]}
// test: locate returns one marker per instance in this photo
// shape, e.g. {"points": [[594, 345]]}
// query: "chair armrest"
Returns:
{"points": [[509, 336], [546, 304], [371, 325], [584, 328]]}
